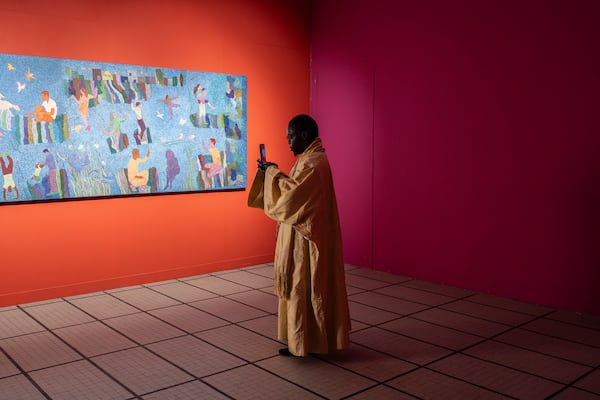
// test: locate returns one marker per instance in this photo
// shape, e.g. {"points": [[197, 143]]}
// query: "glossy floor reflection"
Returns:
{"points": [[213, 337]]}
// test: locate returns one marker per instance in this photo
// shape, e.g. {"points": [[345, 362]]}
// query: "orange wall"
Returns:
{"points": [[65, 248]]}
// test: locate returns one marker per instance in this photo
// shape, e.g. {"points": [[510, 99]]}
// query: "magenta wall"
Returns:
{"points": [[465, 141]]}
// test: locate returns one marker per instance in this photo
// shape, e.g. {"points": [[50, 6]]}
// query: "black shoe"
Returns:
{"points": [[285, 352]]}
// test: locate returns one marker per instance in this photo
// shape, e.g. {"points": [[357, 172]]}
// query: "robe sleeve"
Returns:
{"points": [[293, 201], [255, 196]]}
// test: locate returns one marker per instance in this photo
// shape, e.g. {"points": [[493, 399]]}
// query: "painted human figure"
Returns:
{"points": [[172, 168], [113, 130], [7, 173], [37, 172], [136, 177], [214, 167], [50, 163], [168, 100], [136, 107], [47, 111], [83, 99], [230, 91], [200, 93]]}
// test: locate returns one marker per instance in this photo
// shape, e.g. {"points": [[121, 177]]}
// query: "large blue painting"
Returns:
{"points": [[81, 129]]}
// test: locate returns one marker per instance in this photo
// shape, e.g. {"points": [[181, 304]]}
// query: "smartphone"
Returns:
{"points": [[263, 154]]}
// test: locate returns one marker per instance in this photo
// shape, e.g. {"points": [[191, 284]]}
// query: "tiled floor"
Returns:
{"points": [[212, 337]]}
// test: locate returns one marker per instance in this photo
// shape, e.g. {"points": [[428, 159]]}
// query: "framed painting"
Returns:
{"points": [[72, 129]]}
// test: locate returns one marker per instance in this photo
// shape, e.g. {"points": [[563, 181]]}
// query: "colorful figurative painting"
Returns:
{"points": [[74, 129]]}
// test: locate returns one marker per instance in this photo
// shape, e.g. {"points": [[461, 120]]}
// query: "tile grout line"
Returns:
{"points": [[144, 346], [24, 373], [83, 356]]}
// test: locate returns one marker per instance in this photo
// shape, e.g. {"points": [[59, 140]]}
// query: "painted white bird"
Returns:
{"points": [[182, 121], [159, 115]]}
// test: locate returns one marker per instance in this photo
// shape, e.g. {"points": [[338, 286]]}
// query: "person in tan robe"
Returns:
{"points": [[310, 283]]}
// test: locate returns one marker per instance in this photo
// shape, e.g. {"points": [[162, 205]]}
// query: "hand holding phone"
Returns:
{"points": [[263, 155], [262, 162]]}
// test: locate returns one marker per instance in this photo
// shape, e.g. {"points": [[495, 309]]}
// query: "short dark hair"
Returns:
{"points": [[305, 123]]}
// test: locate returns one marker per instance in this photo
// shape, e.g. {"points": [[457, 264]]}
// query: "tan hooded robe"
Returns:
{"points": [[309, 268]]}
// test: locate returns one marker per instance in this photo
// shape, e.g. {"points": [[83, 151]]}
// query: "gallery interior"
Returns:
{"points": [[464, 146]]}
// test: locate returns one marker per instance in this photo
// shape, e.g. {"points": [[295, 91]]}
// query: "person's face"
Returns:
{"points": [[45, 96], [296, 140]]}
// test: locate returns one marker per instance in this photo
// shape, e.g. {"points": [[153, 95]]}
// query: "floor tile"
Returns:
{"points": [[378, 275], [236, 340], [143, 328], [268, 271], [495, 377], [16, 322], [430, 385], [381, 392], [415, 295], [438, 288], [350, 290], [528, 361], [125, 288], [94, 339], [357, 326], [403, 347], [575, 394], [58, 315], [582, 320], [257, 299], [79, 380], [551, 346], [488, 313], [369, 363], [194, 390], [188, 318], [104, 306], [7, 367], [266, 326], [509, 304], [591, 382], [228, 309], [251, 383], [195, 356], [388, 303], [145, 299], [434, 334], [40, 303], [249, 279], [364, 283], [461, 322], [323, 378], [217, 285], [18, 387], [590, 337], [38, 350], [140, 370], [183, 292], [370, 315]]}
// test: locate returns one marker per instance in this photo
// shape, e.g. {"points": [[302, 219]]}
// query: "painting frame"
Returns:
{"points": [[82, 130]]}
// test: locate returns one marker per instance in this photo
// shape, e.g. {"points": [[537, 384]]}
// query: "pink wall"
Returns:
{"points": [[464, 141]]}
